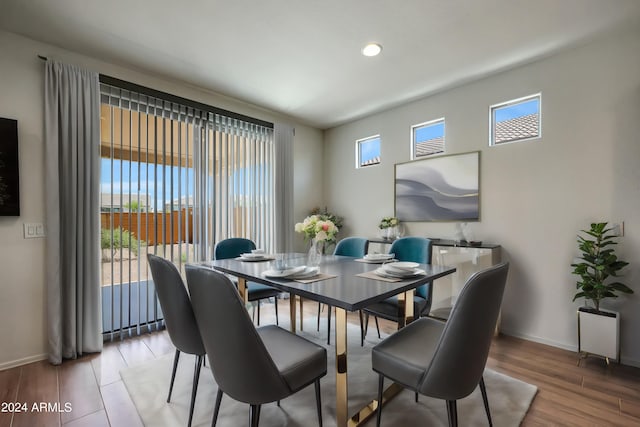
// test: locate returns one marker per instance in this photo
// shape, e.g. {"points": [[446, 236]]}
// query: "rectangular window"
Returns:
{"points": [[515, 120], [368, 151], [427, 138]]}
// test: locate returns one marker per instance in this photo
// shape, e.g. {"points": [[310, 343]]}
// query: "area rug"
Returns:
{"points": [[148, 385]]}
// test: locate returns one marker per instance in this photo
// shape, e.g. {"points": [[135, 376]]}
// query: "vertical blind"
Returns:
{"points": [[176, 179]]}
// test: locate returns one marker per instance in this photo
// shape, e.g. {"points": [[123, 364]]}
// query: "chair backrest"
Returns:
{"points": [[414, 249], [461, 354], [352, 246], [176, 306], [241, 364], [232, 247]]}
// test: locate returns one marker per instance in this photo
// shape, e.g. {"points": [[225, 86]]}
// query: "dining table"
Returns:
{"points": [[346, 283]]}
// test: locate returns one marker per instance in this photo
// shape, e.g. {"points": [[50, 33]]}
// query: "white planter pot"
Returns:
{"points": [[599, 334]]}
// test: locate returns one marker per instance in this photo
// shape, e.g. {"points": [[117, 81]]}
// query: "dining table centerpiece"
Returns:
{"points": [[318, 231], [389, 227]]}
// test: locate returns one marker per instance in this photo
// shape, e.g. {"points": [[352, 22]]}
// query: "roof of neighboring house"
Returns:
{"points": [[517, 128], [430, 146], [117, 199]]}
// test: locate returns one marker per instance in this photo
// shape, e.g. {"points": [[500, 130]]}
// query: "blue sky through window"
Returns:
{"points": [[369, 149], [427, 132], [517, 110]]}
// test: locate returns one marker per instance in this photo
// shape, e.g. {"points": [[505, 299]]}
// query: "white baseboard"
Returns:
{"points": [[23, 361], [623, 360]]}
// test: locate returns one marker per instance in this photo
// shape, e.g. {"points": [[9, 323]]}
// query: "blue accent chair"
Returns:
{"points": [[232, 248], [413, 249]]}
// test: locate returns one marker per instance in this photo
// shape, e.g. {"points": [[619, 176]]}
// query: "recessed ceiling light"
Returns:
{"points": [[372, 49]]}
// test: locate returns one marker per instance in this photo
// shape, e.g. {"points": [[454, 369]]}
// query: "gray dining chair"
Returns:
{"points": [[251, 365], [446, 360], [178, 318], [356, 247]]}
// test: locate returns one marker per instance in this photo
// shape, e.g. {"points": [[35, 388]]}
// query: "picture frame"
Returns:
{"points": [[9, 170], [438, 189]]}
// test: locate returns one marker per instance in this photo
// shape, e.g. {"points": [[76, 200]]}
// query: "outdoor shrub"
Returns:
{"points": [[119, 238]]}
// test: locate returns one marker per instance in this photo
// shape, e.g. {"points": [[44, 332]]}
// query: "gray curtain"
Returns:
{"points": [[284, 233], [72, 165]]}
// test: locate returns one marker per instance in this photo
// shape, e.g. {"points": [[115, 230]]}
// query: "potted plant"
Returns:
{"points": [[598, 330]]}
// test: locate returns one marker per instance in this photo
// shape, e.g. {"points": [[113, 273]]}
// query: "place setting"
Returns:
{"points": [[255, 255], [377, 258], [395, 271], [299, 273]]}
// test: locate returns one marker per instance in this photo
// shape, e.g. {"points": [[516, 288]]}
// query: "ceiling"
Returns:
{"points": [[302, 57]]}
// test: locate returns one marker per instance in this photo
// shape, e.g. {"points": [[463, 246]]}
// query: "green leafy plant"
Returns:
{"points": [[599, 264], [119, 238]]}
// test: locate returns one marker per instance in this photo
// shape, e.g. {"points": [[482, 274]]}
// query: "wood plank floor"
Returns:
{"points": [[569, 393]]}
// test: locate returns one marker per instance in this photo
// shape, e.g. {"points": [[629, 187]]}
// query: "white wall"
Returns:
{"points": [[22, 275], [535, 195]]}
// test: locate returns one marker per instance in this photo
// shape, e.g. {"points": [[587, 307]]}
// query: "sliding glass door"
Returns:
{"points": [[174, 181]]}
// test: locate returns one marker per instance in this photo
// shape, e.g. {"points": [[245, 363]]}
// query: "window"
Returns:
{"points": [[427, 138], [175, 179], [515, 120], [368, 151]]}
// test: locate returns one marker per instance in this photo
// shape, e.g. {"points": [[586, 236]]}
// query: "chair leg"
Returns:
{"points": [[173, 373], [319, 307], [361, 329], [216, 409], [258, 312], [483, 390], [275, 301], [380, 387], [318, 402], [255, 415], [329, 310], [452, 413], [416, 397], [377, 326], [194, 389], [366, 324]]}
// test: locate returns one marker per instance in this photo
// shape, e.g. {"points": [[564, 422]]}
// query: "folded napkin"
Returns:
{"points": [[374, 276], [320, 276]]}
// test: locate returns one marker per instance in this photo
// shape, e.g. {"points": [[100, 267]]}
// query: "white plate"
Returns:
{"points": [[378, 257], [385, 271], [285, 273], [406, 265], [252, 256]]}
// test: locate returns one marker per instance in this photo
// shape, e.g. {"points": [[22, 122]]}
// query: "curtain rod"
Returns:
{"points": [[122, 84]]}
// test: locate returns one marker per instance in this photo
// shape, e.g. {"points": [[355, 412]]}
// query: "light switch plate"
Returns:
{"points": [[33, 230]]}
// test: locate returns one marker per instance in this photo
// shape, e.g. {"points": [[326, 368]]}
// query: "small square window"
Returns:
{"points": [[368, 151], [515, 120], [427, 138]]}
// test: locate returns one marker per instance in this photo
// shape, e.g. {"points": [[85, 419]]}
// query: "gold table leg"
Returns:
{"points": [[367, 411], [292, 312], [242, 289], [341, 367]]}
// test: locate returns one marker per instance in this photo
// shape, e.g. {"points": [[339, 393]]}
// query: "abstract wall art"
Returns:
{"points": [[442, 188]]}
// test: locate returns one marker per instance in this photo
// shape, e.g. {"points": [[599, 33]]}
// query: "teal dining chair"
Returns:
{"points": [[413, 249], [356, 247], [232, 248]]}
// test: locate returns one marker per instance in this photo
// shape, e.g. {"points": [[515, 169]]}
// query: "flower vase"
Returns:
{"points": [[315, 253]]}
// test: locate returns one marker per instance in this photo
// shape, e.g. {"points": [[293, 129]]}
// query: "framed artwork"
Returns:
{"points": [[442, 188], [9, 176]]}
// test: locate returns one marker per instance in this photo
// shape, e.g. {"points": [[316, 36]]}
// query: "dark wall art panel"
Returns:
{"points": [[443, 188], [9, 175]]}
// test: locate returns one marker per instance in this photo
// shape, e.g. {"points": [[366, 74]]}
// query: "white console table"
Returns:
{"points": [[467, 259]]}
